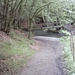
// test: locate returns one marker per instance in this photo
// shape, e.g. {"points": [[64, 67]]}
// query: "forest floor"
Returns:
{"points": [[15, 51], [48, 59]]}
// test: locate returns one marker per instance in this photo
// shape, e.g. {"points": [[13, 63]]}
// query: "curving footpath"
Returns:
{"points": [[47, 60]]}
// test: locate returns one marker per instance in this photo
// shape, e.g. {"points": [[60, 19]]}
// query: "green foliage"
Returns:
{"points": [[56, 9], [14, 53], [68, 57], [14, 11]]}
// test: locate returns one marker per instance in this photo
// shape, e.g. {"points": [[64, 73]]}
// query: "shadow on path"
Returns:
{"points": [[48, 34]]}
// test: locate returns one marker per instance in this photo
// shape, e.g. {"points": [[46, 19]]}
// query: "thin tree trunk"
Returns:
{"points": [[29, 28], [72, 45]]}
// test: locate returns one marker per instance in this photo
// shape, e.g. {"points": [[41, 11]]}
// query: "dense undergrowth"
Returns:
{"points": [[15, 51], [68, 56]]}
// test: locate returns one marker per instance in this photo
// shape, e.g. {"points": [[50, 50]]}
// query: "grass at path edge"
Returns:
{"points": [[14, 53]]}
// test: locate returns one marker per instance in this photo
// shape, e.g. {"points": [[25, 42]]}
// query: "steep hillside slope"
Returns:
{"points": [[15, 50]]}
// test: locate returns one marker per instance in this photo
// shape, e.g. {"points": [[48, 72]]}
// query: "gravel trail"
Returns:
{"points": [[47, 60]]}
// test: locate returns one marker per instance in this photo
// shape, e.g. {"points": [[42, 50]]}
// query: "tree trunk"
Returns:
{"points": [[29, 28], [72, 45]]}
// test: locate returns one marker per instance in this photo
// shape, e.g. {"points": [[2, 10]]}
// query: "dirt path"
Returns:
{"points": [[47, 60]]}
